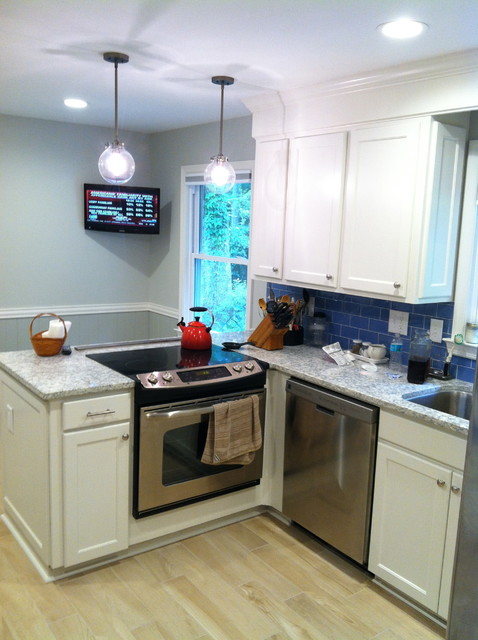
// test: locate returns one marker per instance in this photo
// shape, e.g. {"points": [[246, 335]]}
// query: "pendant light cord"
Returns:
{"points": [[222, 119], [116, 102]]}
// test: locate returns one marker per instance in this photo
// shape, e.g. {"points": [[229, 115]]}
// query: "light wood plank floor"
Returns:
{"points": [[255, 580]]}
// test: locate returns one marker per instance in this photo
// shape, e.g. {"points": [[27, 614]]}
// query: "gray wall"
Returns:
{"points": [[46, 257], [48, 261]]}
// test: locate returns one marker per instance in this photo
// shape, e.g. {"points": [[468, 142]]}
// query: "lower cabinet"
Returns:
{"points": [[415, 514], [96, 484], [25, 465]]}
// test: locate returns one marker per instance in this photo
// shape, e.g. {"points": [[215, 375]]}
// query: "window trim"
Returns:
{"points": [[467, 270], [188, 175]]}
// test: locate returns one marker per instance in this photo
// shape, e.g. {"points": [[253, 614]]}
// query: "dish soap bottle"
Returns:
{"points": [[396, 353], [419, 359]]}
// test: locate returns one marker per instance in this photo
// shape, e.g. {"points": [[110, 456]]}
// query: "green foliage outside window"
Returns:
{"points": [[221, 285]]}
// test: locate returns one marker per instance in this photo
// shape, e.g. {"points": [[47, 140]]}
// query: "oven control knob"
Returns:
{"points": [[167, 377], [249, 366], [152, 378], [237, 368]]}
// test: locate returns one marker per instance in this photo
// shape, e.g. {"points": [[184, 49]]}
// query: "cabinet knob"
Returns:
{"points": [[396, 285], [275, 269], [455, 489], [441, 483], [329, 276], [125, 436]]}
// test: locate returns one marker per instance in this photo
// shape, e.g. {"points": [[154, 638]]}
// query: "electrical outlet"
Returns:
{"points": [[398, 322], [436, 330]]}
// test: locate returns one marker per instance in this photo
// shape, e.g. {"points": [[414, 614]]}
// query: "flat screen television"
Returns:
{"points": [[121, 209]]}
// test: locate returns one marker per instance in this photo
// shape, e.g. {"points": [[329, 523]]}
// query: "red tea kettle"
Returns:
{"points": [[196, 335]]}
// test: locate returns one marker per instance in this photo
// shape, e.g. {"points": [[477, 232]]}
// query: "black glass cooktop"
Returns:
{"points": [[129, 363]]}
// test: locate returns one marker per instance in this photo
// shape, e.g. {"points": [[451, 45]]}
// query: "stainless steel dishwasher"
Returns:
{"points": [[330, 446]]}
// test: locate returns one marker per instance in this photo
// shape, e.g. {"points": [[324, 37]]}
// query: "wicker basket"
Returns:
{"points": [[46, 346]]}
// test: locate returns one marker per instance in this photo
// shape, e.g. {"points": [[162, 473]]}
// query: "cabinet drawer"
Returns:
{"points": [[436, 444], [96, 411]]}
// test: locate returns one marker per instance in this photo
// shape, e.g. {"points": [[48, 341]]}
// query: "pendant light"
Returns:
{"points": [[116, 165], [219, 175]]}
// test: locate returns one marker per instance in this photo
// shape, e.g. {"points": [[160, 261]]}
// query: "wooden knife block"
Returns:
{"points": [[266, 336]]}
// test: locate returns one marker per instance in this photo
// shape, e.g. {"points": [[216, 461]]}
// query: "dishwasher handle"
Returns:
{"points": [[334, 402], [329, 412]]}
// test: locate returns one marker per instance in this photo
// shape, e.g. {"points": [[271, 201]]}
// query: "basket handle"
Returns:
{"points": [[48, 314]]}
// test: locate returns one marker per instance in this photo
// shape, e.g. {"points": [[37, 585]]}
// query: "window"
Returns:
{"points": [[217, 249]]}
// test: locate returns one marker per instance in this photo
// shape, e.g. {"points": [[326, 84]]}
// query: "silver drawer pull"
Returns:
{"points": [[441, 483], [125, 436], [106, 412], [455, 489]]}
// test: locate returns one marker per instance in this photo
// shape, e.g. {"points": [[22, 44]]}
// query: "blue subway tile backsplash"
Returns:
{"points": [[355, 317]]}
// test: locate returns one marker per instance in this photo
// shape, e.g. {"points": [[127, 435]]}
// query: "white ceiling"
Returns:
{"points": [[53, 49]]}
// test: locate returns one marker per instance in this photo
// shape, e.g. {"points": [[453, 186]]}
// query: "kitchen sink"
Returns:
{"points": [[456, 403]]}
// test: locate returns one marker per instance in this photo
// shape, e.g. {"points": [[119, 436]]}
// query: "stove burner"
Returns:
{"points": [[159, 368]]}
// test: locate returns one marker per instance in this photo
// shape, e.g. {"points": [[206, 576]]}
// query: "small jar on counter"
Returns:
{"points": [[356, 346], [471, 333]]}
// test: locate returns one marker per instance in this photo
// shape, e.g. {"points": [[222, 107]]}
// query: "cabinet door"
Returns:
{"points": [[409, 523], [379, 208], [451, 536], [268, 209], [314, 209], [95, 478], [442, 212]]}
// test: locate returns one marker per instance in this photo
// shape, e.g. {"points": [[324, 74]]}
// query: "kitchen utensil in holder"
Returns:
{"points": [[266, 336], [46, 346]]}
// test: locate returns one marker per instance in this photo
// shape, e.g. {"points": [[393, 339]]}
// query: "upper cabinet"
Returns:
{"points": [[314, 209], [402, 208], [267, 232], [389, 229]]}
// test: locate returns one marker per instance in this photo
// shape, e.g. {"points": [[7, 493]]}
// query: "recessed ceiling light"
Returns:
{"points": [[75, 103], [402, 28]]}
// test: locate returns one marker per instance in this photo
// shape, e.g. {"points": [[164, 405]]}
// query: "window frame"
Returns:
{"points": [[187, 250], [467, 267]]}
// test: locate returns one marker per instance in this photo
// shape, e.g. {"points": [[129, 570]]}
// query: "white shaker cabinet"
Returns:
{"points": [[269, 198], [297, 209], [314, 209], [415, 513], [95, 477], [25, 465], [95, 492], [402, 206]]}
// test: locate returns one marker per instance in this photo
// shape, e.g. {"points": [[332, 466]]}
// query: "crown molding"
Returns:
{"points": [[462, 63]]}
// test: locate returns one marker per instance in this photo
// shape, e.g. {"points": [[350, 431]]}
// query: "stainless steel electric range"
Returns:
{"points": [[175, 393]]}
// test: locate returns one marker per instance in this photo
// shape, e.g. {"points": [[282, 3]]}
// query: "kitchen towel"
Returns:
{"points": [[234, 432]]}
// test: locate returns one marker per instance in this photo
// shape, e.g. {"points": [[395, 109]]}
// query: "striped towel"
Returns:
{"points": [[234, 432]]}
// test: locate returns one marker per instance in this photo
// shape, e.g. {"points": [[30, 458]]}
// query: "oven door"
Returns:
{"points": [[170, 441]]}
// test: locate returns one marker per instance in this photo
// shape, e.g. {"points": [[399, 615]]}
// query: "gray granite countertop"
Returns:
{"points": [[61, 376], [377, 388]]}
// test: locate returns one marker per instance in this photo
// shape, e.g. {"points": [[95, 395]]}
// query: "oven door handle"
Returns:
{"points": [[184, 413]]}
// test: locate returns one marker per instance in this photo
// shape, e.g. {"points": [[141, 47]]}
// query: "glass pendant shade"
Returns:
{"points": [[219, 176], [116, 165]]}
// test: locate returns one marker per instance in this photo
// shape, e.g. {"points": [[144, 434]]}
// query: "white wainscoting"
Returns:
{"points": [[90, 324]]}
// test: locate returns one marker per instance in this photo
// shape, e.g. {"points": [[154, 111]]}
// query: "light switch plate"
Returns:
{"points": [[398, 322], [436, 330]]}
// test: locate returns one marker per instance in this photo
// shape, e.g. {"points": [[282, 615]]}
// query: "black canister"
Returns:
{"points": [[419, 358]]}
